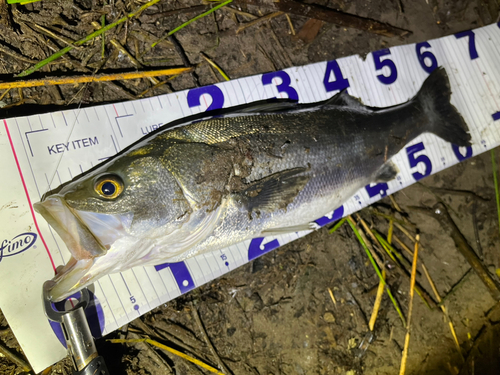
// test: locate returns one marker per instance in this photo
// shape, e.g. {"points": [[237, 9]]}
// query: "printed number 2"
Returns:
{"points": [[339, 83], [414, 160], [379, 64], [284, 87], [472, 42], [194, 96]]}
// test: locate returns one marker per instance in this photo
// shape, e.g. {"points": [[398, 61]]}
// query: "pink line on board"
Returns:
{"points": [[27, 195]]}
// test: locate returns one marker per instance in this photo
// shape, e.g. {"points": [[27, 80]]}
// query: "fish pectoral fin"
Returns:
{"points": [[387, 172], [292, 229], [274, 192]]}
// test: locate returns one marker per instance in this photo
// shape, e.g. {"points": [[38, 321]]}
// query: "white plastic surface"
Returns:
{"points": [[57, 146]]}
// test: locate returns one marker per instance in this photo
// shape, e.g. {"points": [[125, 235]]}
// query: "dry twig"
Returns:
{"points": [[95, 78], [410, 308], [198, 321]]}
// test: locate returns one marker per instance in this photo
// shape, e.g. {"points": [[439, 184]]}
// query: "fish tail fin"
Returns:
{"points": [[445, 120]]}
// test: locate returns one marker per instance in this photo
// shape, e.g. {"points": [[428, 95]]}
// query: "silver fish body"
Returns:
{"points": [[200, 187]]}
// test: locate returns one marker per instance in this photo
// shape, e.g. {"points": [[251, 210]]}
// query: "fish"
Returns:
{"points": [[268, 168]]}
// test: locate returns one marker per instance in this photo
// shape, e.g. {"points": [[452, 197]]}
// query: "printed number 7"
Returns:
{"points": [[472, 42]]}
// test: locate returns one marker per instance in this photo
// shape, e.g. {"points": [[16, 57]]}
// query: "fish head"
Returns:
{"points": [[109, 217]]}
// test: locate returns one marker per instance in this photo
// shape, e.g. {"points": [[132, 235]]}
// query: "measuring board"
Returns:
{"points": [[67, 143]]}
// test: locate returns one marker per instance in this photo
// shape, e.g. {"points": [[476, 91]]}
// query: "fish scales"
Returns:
{"points": [[267, 169]]}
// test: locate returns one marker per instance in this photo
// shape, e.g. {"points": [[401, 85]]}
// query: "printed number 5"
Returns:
{"points": [[411, 151], [379, 64], [284, 87]]}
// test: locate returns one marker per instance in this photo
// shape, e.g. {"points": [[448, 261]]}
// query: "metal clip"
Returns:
{"points": [[75, 327]]}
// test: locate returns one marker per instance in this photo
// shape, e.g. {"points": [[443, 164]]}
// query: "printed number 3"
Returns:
{"points": [[284, 87], [379, 64], [411, 151]]}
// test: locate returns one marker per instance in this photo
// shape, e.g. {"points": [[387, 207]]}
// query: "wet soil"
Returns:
{"points": [[275, 315]]}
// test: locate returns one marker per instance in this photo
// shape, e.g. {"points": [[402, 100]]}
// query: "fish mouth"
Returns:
{"points": [[87, 235], [66, 221]]}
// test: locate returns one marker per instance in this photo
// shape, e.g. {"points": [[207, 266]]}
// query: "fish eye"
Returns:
{"points": [[109, 186]]}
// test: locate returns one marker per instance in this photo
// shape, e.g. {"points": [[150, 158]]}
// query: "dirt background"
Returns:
{"points": [[275, 314]]}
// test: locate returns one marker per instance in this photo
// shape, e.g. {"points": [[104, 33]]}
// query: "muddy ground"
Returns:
{"points": [[275, 315]]}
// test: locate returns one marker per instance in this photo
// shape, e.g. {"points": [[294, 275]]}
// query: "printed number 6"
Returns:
{"points": [[379, 64], [422, 56], [194, 96], [285, 87], [411, 151]]}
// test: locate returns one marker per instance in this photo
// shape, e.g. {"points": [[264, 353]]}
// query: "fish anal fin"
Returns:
{"points": [[293, 229], [387, 172], [274, 192]]}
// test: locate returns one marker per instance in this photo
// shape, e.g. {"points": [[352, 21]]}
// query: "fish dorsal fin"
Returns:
{"points": [[268, 105], [343, 99], [274, 192]]}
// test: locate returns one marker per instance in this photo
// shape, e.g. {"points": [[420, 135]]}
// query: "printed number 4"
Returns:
{"points": [[339, 83], [411, 151]]}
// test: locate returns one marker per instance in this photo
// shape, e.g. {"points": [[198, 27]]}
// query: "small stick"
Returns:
{"points": [[221, 72], [390, 231], [190, 21], [390, 217], [196, 317], [103, 39], [4, 93], [331, 16], [49, 33], [401, 243], [97, 78], [332, 296], [410, 308], [495, 180], [89, 37], [405, 231], [440, 213], [13, 357], [395, 204], [290, 23], [443, 309], [16, 56], [378, 301], [258, 20], [241, 13], [170, 350], [377, 270], [131, 58]]}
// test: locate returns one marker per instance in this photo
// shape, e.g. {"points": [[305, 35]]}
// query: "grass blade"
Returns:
{"points": [[410, 308], [495, 179], [168, 349], [190, 21], [377, 270], [338, 225], [89, 37]]}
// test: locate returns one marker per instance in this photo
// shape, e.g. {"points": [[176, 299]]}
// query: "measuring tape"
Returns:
{"points": [[385, 78]]}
